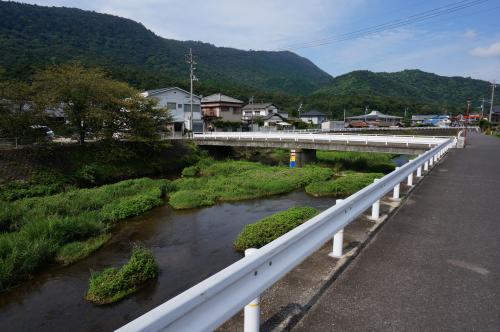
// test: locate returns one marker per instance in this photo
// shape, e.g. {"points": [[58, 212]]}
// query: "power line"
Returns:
{"points": [[423, 16]]}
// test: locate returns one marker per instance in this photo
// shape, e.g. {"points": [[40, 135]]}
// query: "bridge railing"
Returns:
{"points": [[427, 141], [210, 303]]}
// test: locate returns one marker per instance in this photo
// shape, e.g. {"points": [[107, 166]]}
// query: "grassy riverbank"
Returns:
{"points": [[210, 182], [46, 170], [344, 186], [67, 226], [358, 161], [112, 285], [262, 232]]}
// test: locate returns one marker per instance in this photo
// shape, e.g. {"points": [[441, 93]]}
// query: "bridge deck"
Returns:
{"points": [[397, 144], [435, 265]]}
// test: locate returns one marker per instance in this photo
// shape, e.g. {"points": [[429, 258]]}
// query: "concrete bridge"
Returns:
{"points": [[304, 145]]}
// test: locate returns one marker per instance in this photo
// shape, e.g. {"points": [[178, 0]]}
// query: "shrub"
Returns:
{"points": [[114, 284], [343, 186], [270, 228]]}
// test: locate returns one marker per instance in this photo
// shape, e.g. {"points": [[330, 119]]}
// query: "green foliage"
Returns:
{"points": [[112, 284], [190, 171], [409, 85], [343, 186], [43, 182], [39, 230], [94, 103], [134, 54], [358, 161], [270, 228], [77, 250], [237, 180], [63, 167]]}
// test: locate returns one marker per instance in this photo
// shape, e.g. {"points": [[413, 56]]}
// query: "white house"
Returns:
{"points": [[252, 111], [178, 102]]}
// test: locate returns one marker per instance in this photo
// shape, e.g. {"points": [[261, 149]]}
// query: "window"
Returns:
{"points": [[179, 105], [171, 106]]}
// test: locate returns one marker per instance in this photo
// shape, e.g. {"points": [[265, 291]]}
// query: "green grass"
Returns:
{"points": [[238, 180], [343, 186], [112, 284], [40, 230], [358, 161], [75, 251], [262, 232]]}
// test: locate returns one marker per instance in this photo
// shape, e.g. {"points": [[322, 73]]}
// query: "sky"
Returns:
{"points": [[462, 43]]}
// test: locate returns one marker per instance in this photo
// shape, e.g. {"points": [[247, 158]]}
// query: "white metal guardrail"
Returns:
{"points": [[423, 141], [210, 303]]}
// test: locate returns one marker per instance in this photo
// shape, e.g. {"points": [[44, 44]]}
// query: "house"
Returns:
{"points": [[420, 119], [220, 107], [178, 102], [376, 118], [275, 120], [314, 117], [253, 111]]}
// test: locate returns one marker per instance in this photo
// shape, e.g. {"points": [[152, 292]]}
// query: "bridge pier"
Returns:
{"points": [[301, 157]]}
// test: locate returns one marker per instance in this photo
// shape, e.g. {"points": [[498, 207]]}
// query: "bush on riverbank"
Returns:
{"points": [[237, 180], [112, 284], [343, 186], [270, 228], [41, 229], [358, 161]]}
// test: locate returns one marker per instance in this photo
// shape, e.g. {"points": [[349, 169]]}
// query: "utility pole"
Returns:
{"points": [[366, 111], [192, 77], [466, 120], [299, 109], [492, 100], [344, 115]]}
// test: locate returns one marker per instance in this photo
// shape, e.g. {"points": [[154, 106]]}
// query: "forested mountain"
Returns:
{"points": [[409, 85], [33, 36]]}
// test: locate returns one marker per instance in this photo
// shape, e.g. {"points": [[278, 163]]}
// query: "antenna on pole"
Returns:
{"points": [[192, 77]]}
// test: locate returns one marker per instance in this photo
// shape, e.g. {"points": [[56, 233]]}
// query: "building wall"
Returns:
{"points": [[178, 103]]}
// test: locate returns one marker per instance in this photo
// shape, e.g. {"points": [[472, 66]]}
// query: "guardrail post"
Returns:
{"points": [[395, 192], [376, 208], [410, 179], [338, 240], [419, 171], [426, 165], [431, 161], [252, 310]]}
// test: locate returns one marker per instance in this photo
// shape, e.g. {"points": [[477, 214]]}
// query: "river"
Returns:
{"points": [[189, 246]]}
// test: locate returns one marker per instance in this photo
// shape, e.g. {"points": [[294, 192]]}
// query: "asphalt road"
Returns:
{"points": [[435, 265]]}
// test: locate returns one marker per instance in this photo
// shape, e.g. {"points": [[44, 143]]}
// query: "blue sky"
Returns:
{"points": [[464, 43]]}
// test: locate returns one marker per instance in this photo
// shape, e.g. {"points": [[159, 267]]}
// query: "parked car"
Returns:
{"points": [[39, 132]]}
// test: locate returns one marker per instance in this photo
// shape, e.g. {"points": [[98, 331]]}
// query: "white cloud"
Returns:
{"points": [[470, 34], [492, 50]]}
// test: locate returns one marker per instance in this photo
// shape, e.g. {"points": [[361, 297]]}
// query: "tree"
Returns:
{"points": [[94, 103], [17, 112]]}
